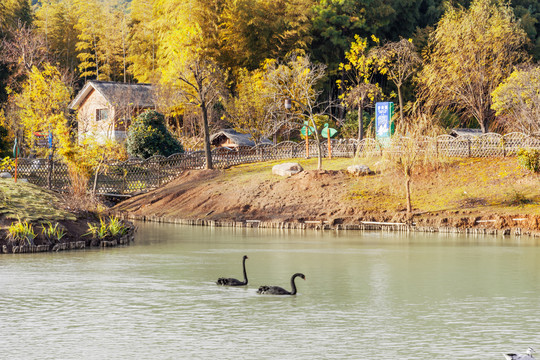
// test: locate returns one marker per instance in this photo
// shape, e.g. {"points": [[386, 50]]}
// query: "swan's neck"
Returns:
{"points": [[293, 286], [245, 273]]}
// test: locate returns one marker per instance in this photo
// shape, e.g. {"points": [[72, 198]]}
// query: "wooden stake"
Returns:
{"points": [[307, 143], [329, 143]]}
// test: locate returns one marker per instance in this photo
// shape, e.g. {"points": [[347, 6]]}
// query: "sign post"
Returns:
{"points": [[383, 121], [328, 132], [16, 156], [306, 131]]}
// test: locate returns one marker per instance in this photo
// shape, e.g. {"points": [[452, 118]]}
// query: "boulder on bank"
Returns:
{"points": [[5, 175], [359, 170], [287, 169]]}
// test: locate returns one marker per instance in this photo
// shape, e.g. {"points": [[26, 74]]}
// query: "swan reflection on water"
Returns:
{"points": [[233, 281]]}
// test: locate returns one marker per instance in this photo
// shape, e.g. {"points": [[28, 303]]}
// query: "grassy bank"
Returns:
{"points": [[451, 192], [30, 202]]}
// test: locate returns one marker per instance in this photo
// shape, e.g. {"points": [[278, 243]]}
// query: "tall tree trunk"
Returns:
{"points": [[400, 97], [408, 193], [207, 150], [361, 120], [318, 141], [483, 124]]}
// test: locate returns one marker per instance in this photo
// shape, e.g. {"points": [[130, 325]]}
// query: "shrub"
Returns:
{"points": [[116, 227], [148, 136], [22, 233], [517, 198], [53, 233], [529, 159], [98, 231], [113, 227]]}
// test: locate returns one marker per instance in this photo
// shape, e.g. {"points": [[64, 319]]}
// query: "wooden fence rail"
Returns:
{"points": [[136, 175]]}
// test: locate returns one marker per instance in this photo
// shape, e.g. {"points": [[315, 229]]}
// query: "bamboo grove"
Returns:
{"points": [[458, 63]]}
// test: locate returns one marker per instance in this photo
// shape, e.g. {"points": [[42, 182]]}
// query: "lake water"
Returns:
{"points": [[367, 295]]}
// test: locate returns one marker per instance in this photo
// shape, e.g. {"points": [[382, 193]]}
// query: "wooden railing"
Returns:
{"points": [[137, 175]]}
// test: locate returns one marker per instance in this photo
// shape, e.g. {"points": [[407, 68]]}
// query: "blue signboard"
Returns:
{"points": [[383, 119]]}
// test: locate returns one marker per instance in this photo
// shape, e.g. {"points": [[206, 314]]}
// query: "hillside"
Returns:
{"points": [[38, 206], [455, 193]]}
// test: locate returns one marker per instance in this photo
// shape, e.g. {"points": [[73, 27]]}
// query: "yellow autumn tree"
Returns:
{"points": [[189, 69], [517, 100], [358, 88], [42, 108], [297, 82], [399, 62], [472, 51], [251, 110], [143, 41]]}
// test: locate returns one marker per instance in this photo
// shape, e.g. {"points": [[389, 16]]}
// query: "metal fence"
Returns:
{"points": [[137, 175]]}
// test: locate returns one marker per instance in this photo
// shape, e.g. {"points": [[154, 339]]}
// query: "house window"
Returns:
{"points": [[102, 114]]}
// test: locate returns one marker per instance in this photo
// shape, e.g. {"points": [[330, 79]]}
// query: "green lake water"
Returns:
{"points": [[367, 295]]}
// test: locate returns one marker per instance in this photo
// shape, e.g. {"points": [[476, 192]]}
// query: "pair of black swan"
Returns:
{"points": [[265, 289]]}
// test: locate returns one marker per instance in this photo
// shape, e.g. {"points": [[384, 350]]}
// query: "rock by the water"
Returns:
{"points": [[287, 169], [5, 175], [359, 170]]}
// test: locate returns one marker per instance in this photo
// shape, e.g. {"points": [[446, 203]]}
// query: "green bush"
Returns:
{"points": [[22, 233], [529, 159], [148, 136]]}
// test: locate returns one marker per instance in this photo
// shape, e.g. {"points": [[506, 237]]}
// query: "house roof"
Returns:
{"points": [[116, 93], [238, 138], [466, 132]]}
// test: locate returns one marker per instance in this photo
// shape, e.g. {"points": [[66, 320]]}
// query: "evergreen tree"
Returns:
{"points": [[148, 136]]}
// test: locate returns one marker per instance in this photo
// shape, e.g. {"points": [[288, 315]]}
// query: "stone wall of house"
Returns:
{"points": [[86, 116]]}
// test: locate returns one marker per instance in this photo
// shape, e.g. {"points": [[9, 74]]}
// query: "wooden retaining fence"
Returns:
{"points": [[138, 175]]}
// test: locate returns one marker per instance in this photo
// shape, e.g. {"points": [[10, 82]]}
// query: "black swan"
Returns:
{"points": [[527, 356], [232, 281], [276, 290]]}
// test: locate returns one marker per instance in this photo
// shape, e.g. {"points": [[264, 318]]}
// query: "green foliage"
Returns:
{"points": [[349, 128], [334, 25], [98, 231], [28, 201], [148, 136], [113, 227], [529, 159], [5, 146], [53, 233], [22, 233], [116, 227]]}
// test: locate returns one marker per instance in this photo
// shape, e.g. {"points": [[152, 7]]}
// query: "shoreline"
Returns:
{"points": [[74, 241], [326, 225]]}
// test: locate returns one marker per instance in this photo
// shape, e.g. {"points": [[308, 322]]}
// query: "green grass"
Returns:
{"points": [[496, 185], [29, 202]]}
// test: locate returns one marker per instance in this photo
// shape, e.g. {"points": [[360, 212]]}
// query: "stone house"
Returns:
{"points": [[105, 109]]}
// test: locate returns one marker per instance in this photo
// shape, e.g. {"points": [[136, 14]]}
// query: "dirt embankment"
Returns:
{"points": [[482, 197]]}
